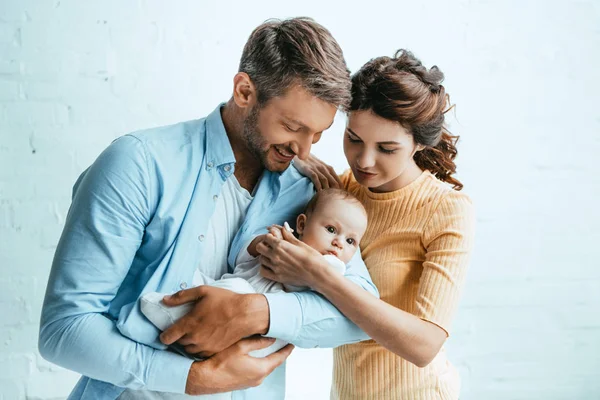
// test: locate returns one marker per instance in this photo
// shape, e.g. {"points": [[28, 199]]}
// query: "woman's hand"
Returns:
{"points": [[323, 176], [287, 260]]}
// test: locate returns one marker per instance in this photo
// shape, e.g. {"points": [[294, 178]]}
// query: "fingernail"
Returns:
{"points": [[287, 227]]}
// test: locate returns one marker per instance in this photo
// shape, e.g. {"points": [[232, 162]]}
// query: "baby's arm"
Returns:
{"points": [[252, 246]]}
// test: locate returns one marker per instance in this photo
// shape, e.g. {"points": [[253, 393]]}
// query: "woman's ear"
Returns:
{"points": [[300, 223]]}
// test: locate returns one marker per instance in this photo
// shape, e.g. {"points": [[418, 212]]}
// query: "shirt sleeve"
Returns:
{"points": [[103, 231], [448, 240], [308, 320]]}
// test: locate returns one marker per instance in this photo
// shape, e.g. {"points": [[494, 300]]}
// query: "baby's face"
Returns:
{"points": [[335, 227]]}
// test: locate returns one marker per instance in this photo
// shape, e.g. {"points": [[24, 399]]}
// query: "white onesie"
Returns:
{"points": [[245, 279]]}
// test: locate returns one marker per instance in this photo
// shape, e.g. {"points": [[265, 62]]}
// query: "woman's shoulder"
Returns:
{"points": [[444, 192], [447, 204]]}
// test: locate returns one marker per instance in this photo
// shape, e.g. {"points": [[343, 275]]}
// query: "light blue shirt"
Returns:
{"points": [[136, 225]]}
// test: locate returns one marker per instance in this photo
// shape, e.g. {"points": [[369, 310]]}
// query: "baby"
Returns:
{"points": [[333, 223]]}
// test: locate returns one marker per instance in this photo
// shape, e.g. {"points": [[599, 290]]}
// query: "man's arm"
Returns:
{"points": [[102, 233], [308, 320]]}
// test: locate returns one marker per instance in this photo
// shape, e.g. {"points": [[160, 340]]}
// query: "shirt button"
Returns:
{"points": [[183, 285], [210, 164], [227, 168], [215, 197], [201, 238]]}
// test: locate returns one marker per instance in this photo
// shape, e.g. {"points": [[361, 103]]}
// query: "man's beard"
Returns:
{"points": [[256, 143]]}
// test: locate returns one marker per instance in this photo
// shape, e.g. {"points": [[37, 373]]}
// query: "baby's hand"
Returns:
{"points": [[252, 247]]}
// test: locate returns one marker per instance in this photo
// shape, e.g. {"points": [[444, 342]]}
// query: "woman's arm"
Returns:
{"points": [[408, 336], [416, 338]]}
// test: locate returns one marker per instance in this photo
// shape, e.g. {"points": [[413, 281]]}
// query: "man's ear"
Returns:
{"points": [[300, 224], [244, 91]]}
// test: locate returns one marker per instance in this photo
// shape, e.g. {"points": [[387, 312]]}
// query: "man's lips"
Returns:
{"points": [[284, 154]]}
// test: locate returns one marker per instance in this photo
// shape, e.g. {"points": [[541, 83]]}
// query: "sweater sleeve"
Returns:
{"points": [[448, 240]]}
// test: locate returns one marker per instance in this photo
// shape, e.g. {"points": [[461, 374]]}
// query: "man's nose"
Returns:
{"points": [[303, 146]]}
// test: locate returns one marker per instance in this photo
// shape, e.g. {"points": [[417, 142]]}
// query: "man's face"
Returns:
{"points": [[286, 126]]}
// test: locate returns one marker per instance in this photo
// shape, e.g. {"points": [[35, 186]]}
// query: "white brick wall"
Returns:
{"points": [[524, 75]]}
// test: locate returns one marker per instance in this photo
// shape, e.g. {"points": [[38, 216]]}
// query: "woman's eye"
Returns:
{"points": [[353, 140], [330, 229], [387, 151]]}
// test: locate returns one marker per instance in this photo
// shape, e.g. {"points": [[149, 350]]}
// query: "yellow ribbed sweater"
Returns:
{"points": [[416, 248]]}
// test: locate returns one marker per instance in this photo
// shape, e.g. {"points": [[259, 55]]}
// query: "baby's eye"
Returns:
{"points": [[330, 229], [350, 241]]}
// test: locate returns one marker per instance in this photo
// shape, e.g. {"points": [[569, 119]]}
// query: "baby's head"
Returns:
{"points": [[334, 222]]}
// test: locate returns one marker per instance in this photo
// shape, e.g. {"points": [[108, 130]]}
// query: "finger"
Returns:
{"points": [[174, 333], [276, 232], [315, 180], [324, 181], [267, 273], [336, 177], [255, 343], [273, 241], [332, 179], [197, 350], [188, 340], [184, 296], [267, 262], [263, 249], [277, 358], [289, 237]]}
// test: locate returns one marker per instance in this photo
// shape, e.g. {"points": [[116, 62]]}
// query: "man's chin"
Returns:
{"points": [[276, 166]]}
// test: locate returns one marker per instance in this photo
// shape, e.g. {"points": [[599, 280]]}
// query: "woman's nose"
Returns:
{"points": [[365, 160]]}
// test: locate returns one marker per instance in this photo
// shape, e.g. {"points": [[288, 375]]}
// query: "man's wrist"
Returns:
{"points": [[198, 374], [257, 314]]}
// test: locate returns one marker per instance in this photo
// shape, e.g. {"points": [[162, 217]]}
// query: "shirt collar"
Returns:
{"points": [[218, 149]]}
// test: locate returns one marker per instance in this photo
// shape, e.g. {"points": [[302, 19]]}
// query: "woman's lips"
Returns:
{"points": [[363, 175]]}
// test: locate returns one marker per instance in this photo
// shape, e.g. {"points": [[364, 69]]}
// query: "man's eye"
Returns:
{"points": [[291, 130], [330, 229]]}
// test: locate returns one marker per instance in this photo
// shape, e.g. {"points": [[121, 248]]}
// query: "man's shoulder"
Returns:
{"points": [[294, 183], [181, 132]]}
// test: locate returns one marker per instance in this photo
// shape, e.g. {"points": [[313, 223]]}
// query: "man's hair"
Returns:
{"points": [[327, 194], [297, 51]]}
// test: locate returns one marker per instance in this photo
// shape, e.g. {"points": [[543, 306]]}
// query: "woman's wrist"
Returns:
{"points": [[324, 277]]}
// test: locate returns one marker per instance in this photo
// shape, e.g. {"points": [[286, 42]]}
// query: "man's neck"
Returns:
{"points": [[248, 168]]}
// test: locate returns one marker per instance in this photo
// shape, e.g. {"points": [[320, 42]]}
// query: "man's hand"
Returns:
{"points": [[233, 369], [219, 319]]}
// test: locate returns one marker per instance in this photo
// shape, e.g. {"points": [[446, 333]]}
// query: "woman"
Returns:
{"points": [[417, 244]]}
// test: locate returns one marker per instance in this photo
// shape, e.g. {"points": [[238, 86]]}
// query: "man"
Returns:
{"points": [[159, 209]]}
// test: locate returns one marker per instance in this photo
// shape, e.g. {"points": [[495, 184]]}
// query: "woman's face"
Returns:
{"points": [[379, 152]]}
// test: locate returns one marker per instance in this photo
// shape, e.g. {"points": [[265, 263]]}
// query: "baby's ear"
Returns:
{"points": [[300, 222]]}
